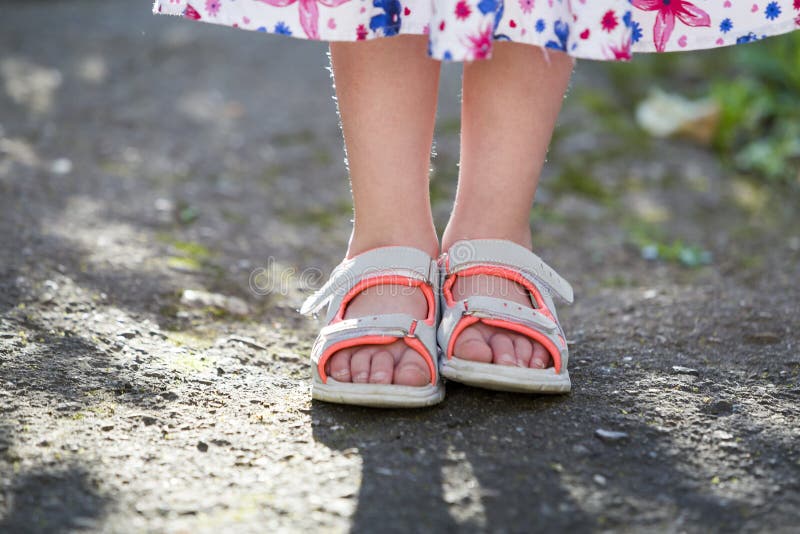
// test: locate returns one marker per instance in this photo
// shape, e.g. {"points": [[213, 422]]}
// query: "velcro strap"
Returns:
{"points": [[502, 253], [395, 260]]}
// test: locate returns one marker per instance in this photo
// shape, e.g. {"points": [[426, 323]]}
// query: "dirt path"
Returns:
{"points": [[144, 156]]}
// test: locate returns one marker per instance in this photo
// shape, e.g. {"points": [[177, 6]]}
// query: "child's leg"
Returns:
{"points": [[386, 90], [509, 108]]}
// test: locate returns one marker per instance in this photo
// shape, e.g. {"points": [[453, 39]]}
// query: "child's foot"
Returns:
{"points": [[394, 363], [492, 344]]}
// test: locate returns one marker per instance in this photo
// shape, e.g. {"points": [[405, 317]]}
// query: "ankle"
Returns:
{"points": [[457, 230], [422, 238]]}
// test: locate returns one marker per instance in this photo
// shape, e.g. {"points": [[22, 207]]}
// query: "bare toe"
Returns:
{"points": [[503, 349], [472, 345], [339, 365], [541, 358], [381, 368], [360, 364], [411, 370], [524, 350]]}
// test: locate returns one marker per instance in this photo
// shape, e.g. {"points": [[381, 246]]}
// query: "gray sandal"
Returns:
{"points": [[405, 266], [508, 260]]}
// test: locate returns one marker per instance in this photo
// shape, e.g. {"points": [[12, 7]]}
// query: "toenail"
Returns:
{"points": [[361, 377], [379, 376], [539, 364], [341, 373], [508, 358]]}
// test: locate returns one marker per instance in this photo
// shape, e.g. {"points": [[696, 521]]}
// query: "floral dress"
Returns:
{"points": [[464, 30]]}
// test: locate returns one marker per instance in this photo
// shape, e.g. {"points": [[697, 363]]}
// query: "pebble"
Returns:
{"points": [[600, 480], [722, 435], [720, 407], [580, 450], [61, 166], [202, 446], [202, 299], [610, 435], [681, 370]]}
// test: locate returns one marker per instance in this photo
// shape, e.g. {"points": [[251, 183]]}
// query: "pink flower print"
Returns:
{"points": [[191, 13], [309, 12], [462, 10], [688, 13], [621, 52], [212, 7], [361, 32], [609, 21], [480, 45], [526, 6]]}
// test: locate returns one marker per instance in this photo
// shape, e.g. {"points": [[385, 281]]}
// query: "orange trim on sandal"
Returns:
{"points": [[492, 270], [462, 323], [468, 320], [375, 339], [389, 279]]}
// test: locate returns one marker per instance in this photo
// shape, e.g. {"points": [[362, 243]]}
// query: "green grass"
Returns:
{"points": [[757, 88]]}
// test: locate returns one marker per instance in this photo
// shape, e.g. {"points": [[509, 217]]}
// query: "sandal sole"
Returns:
{"points": [[378, 395], [505, 378]]}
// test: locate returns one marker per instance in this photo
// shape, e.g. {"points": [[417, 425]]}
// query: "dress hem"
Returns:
{"points": [[638, 47]]}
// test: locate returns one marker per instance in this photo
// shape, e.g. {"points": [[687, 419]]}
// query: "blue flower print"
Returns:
{"points": [[725, 26], [540, 25], [561, 30], [389, 21], [636, 32], [282, 29], [627, 19], [748, 38], [487, 6], [492, 6], [772, 11]]}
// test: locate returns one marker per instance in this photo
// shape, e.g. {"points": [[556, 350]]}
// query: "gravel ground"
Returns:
{"points": [[165, 185]]}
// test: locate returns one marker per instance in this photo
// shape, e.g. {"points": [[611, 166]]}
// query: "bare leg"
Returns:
{"points": [[509, 108], [387, 90]]}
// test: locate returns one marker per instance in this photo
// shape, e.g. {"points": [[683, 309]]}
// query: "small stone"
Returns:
{"points": [[763, 338], [106, 428], [681, 370], [203, 299], [61, 166], [580, 450], [720, 407], [610, 435], [721, 435], [202, 446], [164, 204], [600, 480]]}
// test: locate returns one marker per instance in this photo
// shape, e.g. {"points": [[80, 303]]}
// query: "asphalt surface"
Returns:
{"points": [[144, 156]]}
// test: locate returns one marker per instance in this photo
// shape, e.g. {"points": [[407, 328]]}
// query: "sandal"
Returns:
{"points": [[514, 262], [395, 265]]}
